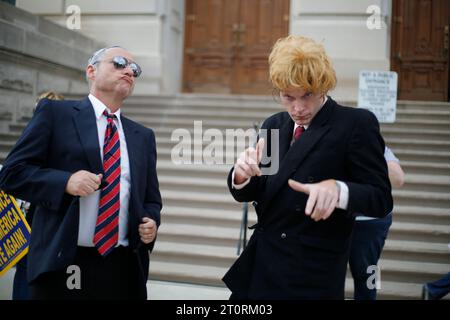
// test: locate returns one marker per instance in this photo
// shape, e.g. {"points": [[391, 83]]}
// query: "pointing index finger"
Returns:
{"points": [[259, 149], [297, 186]]}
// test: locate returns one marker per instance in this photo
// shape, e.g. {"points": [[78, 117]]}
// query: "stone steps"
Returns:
{"points": [[418, 134], [420, 214], [174, 268], [223, 257]]}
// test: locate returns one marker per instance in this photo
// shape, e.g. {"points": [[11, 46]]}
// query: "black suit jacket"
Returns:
{"points": [[290, 256], [61, 139]]}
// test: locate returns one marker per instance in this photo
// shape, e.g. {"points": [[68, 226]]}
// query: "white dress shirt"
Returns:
{"points": [[89, 204], [343, 193]]}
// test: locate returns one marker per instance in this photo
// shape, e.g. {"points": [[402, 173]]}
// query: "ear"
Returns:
{"points": [[90, 72]]}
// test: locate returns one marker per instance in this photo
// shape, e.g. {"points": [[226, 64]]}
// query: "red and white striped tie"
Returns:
{"points": [[107, 227]]}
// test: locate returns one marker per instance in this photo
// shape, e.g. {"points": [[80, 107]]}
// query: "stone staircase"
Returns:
{"points": [[201, 222]]}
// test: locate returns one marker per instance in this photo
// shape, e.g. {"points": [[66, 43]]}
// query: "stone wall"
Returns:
{"points": [[152, 30], [37, 55]]}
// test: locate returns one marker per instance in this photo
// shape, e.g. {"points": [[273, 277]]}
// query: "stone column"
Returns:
{"points": [[342, 26]]}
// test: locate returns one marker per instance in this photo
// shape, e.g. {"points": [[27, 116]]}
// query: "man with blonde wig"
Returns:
{"points": [[331, 167]]}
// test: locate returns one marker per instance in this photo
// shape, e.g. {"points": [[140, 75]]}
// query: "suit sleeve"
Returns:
{"points": [[25, 174], [369, 186], [152, 203]]}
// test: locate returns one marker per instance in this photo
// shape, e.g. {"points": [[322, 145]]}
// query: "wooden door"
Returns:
{"points": [[227, 43], [420, 48]]}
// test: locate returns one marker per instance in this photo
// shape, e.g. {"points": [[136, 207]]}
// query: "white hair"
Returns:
{"points": [[97, 57]]}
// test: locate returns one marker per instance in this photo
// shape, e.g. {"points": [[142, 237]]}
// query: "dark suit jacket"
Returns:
{"points": [[290, 256], [61, 139]]}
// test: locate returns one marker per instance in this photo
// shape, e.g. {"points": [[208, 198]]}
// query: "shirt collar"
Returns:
{"points": [[99, 107]]}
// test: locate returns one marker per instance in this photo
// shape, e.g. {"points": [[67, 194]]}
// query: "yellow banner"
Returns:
{"points": [[14, 233]]}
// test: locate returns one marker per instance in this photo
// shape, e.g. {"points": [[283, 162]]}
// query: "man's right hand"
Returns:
{"points": [[83, 183], [247, 165]]}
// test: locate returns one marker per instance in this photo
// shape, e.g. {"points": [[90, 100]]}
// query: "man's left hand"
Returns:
{"points": [[322, 200], [147, 230]]}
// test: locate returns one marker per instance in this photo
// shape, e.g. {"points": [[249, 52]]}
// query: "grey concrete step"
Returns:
{"points": [[416, 251], [166, 167], [416, 134], [412, 272], [6, 146], [182, 272], [213, 231], [9, 137], [420, 114], [422, 124], [176, 123], [415, 144], [428, 183], [207, 100], [241, 141], [419, 232], [16, 128], [405, 154], [216, 186], [200, 234], [421, 214], [171, 264], [430, 168], [197, 115], [187, 273], [407, 252], [421, 198], [422, 106], [206, 216]]}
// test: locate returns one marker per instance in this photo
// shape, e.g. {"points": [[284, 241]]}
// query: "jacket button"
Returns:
{"points": [[310, 179], [254, 203], [283, 235]]}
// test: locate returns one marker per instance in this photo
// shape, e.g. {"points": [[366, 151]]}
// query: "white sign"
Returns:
{"points": [[378, 93]]}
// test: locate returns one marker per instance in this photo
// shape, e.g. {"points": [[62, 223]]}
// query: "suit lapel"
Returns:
{"points": [[286, 137], [86, 125], [299, 151]]}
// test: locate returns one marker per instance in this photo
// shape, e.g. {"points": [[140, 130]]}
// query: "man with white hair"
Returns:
{"points": [[91, 172]]}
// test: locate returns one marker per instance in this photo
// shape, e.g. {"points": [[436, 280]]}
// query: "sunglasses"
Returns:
{"points": [[121, 63]]}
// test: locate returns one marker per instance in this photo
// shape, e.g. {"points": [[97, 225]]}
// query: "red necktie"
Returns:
{"points": [[298, 132], [107, 227]]}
